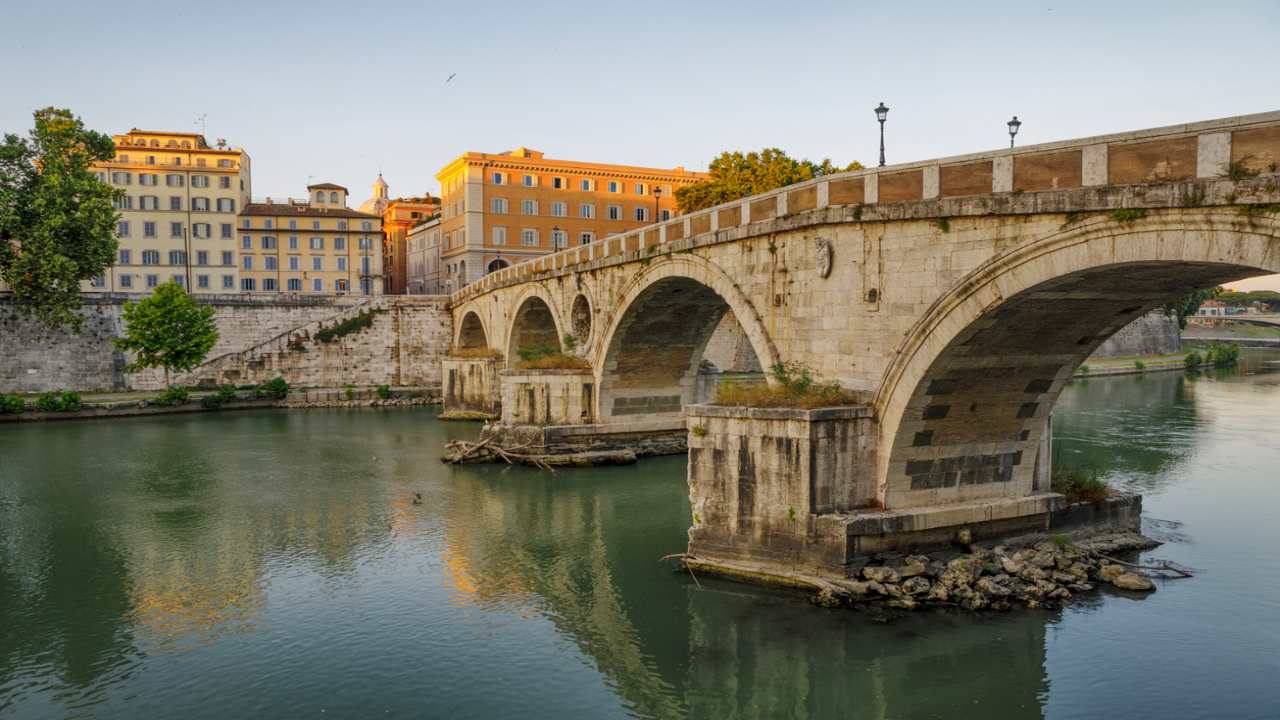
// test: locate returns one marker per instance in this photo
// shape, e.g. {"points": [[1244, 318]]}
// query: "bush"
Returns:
{"points": [[226, 394], [1223, 354], [173, 395], [12, 404], [384, 391], [69, 401], [47, 402], [1084, 369], [1193, 360], [794, 387], [349, 391], [362, 320], [1078, 485], [1139, 365], [275, 388], [549, 357]]}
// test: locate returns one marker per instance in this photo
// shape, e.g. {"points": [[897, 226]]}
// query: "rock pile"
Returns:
{"points": [[1045, 575]]}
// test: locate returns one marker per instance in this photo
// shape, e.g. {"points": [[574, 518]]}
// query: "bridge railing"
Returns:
{"points": [[1246, 144]]}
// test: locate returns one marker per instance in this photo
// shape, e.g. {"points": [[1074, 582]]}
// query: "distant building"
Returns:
{"points": [[178, 213], [1212, 308], [506, 208], [398, 216], [423, 243], [312, 246]]}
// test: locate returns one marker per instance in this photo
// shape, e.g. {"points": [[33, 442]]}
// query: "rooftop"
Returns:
{"points": [[296, 208]]}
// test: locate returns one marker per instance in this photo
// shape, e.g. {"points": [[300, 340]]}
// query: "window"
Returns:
{"points": [[333, 198], [202, 281], [497, 178], [175, 202], [150, 257], [666, 214], [559, 239], [293, 242], [126, 257], [179, 280], [268, 242], [269, 263], [177, 257], [615, 212], [317, 285], [529, 236], [151, 159], [365, 244], [315, 224], [530, 181], [122, 228], [148, 229], [587, 185], [247, 262], [342, 263], [148, 179], [153, 280], [173, 180], [229, 205], [614, 186], [246, 242], [200, 181], [342, 224], [366, 226], [340, 285], [244, 223], [529, 207], [228, 257], [641, 189], [120, 178], [247, 284], [499, 236], [224, 182], [228, 282], [586, 238], [295, 285], [201, 230], [498, 206], [268, 224], [200, 204], [99, 281], [126, 281], [202, 257], [557, 183], [294, 260], [149, 202], [320, 198], [226, 230], [317, 243], [224, 163], [317, 262], [559, 209], [293, 224], [642, 214], [339, 243], [587, 210]]}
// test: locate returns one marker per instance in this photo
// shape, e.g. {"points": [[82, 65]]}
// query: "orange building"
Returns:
{"points": [[398, 216], [506, 208]]}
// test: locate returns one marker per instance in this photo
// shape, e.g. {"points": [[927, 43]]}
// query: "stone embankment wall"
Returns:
{"points": [[259, 338], [1152, 334]]}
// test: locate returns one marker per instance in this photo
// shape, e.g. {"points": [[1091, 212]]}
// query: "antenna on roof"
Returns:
{"points": [[202, 120]]}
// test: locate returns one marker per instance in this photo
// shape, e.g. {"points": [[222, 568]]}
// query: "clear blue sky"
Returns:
{"points": [[337, 91]]}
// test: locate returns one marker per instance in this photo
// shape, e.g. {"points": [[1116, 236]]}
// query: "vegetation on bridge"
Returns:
{"points": [[735, 175], [549, 357], [794, 387]]}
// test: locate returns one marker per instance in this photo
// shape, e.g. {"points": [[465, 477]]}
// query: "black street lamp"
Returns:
{"points": [[657, 194], [1014, 124], [882, 113]]}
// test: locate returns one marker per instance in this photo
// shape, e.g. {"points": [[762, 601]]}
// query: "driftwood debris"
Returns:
{"points": [[1164, 566], [487, 451]]}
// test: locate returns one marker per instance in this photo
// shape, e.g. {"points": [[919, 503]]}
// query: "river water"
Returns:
{"points": [[274, 564]]}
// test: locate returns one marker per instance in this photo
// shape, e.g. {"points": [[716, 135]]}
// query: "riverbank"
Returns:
{"points": [[139, 403]]}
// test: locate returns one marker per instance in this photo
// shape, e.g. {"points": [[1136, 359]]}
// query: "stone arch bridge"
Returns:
{"points": [[954, 297]]}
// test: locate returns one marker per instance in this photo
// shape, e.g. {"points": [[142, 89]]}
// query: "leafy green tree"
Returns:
{"points": [[1187, 305], [736, 175], [57, 222], [168, 330]]}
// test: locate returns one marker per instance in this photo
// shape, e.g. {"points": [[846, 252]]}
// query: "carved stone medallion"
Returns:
{"points": [[822, 253]]}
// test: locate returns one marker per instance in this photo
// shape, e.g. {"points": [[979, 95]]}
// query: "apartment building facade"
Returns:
{"points": [[506, 208], [178, 213], [312, 246], [398, 216], [423, 243]]}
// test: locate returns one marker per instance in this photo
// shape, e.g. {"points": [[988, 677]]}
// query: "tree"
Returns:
{"points": [[168, 330], [1188, 304], [736, 175], [57, 222]]}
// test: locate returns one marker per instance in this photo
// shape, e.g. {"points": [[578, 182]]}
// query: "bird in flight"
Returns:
{"points": [[451, 76]]}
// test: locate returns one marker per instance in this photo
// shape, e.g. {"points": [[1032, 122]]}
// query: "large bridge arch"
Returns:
{"points": [[964, 403], [534, 320], [647, 361]]}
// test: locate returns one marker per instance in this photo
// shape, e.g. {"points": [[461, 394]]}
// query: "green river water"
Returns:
{"points": [[273, 564]]}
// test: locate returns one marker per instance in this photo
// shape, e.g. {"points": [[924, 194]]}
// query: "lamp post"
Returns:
{"points": [[657, 194], [882, 113], [1014, 124], [555, 238]]}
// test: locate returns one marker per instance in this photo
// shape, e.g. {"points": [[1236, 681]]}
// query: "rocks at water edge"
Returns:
{"points": [[1044, 575]]}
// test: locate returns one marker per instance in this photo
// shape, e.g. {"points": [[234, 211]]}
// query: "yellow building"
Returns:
{"points": [[506, 208], [312, 246], [398, 216], [178, 212]]}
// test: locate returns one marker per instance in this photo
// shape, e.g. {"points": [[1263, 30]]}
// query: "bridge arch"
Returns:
{"points": [[648, 358], [471, 332], [535, 320], [965, 402]]}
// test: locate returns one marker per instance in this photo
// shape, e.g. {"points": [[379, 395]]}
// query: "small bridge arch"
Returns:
{"points": [[534, 322]]}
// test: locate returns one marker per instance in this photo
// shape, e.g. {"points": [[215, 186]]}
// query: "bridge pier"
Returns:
{"points": [[471, 389]]}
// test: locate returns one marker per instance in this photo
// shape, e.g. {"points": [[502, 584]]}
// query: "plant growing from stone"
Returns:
{"points": [[384, 391], [57, 223], [12, 404], [167, 330]]}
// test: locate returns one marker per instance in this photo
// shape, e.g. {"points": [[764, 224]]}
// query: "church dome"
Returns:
{"points": [[378, 203]]}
